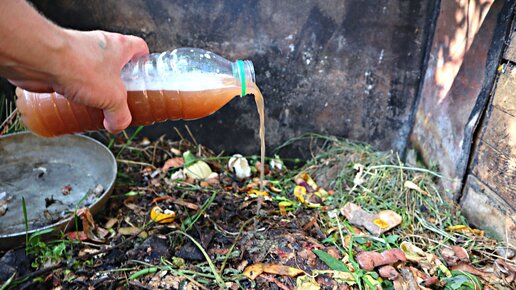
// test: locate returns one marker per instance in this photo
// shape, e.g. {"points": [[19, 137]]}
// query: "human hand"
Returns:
{"points": [[88, 72]]}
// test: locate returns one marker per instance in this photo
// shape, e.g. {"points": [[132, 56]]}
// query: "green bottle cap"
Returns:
{"points": [[240, 64]]}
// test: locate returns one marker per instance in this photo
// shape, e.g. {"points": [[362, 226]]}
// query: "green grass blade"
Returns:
{"points": [[331, 261]]}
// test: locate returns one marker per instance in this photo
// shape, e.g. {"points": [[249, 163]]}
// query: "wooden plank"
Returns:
{"points": [[485, 210], [505, 98], [495, 160], [510, 53]]}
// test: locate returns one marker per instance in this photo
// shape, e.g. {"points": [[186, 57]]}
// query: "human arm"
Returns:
{"points": [[39, 56]]}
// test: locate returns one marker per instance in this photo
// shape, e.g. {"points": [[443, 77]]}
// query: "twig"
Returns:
{"points": [[406, 168], [135, 163], [191, 135], [218, 278], [140, 285], [234, 244], [7, 121]]}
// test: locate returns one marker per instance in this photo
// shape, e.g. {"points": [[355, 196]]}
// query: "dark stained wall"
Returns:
{"points": [[349, 68]]}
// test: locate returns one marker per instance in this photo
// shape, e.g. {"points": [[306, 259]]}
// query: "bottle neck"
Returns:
{"points": [[243, 71]]}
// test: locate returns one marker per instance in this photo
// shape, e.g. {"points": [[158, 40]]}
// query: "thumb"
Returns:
{"points": [[117, 117]]}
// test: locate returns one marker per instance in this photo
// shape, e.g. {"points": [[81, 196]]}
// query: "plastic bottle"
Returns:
{"points": [[186, 83]]}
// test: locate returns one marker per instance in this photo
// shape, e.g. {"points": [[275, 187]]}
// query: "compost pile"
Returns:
{"points": [[182, 217]]}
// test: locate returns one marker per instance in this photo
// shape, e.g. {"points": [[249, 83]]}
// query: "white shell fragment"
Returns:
{"points": [[276, 163], [239, 166]]}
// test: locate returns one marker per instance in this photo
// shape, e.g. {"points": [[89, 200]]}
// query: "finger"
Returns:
{"points": [[33, 86], [117, 117], [134, 47]]}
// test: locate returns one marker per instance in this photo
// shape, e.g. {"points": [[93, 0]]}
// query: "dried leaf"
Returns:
{"points": [[339, 276], [131, 231], [505, 270], [359, 179], [466, 230], [306, 282], [186, 204], [283, 206], [428, 262], [173, 163], [388, 272], [370, 259], [110, 223], [411, 185], [375, 223], [255, 270], [465, 267], [77, 236], [92, 231]]}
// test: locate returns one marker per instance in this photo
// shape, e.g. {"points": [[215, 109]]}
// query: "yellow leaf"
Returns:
{"points": [[255, 270], [313, 205], [306, 177], [285, 203], [162, 217], [381, 223], [300, 192], [306, 282], [274, 189], [258, 192], [457, 228], [282, 209], [321, 193]]}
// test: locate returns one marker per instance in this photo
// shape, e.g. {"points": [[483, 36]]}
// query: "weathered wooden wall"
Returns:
{"points": [[343, 67], [489, 196], [466, 50]]}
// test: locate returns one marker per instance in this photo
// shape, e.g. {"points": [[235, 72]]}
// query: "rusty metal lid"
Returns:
{"points": [[55, 176]]}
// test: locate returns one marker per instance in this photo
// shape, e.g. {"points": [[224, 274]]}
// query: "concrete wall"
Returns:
{"points": [[344, 67]]}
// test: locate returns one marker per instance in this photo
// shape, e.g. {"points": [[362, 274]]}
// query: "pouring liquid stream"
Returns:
{"points": [[258, 98]]}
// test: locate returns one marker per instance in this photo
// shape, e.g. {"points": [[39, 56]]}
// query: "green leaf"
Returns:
{"points": [[333, 263], [40, 233], [462, 281], [143, 272], [392, 239], [360, 240], [133, 193], [189, 158]]}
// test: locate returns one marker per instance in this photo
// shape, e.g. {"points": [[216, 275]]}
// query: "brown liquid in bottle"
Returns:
{"points": [[52, 115]]}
